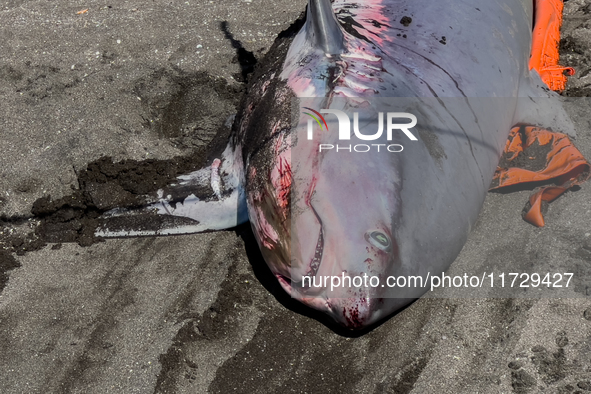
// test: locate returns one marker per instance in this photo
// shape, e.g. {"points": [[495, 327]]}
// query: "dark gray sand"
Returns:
{"points": [[199, 313]]}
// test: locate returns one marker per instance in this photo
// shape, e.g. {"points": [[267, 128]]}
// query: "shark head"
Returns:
{"points": [[327, 223], [345, 215]]}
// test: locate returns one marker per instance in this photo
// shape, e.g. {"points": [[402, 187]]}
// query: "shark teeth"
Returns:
{"points": [[315, 262]]}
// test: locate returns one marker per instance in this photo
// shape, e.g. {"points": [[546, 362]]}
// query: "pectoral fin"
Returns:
{"points": [[211, 198]]}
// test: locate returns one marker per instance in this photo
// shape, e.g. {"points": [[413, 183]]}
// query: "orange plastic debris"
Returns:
{"points": [[82, 12], [545, 41], [548, 157]]}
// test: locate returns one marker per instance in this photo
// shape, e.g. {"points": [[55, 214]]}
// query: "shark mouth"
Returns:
{"points": [[317, 259], [314, 264]]}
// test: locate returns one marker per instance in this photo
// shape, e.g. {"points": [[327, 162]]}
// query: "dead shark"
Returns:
{"points": [[459, 67]]}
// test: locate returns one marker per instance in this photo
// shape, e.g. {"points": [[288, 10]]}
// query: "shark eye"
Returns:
{"points": [[379, 240]]}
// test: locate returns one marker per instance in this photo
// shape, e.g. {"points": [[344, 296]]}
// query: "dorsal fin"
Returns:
{"points": [[323, 28]]}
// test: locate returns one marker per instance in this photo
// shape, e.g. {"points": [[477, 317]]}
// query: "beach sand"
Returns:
{"points": [[80, 81]]}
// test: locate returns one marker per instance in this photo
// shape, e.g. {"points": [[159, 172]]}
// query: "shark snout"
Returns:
{"points": [[361, 308], [355, 313]]}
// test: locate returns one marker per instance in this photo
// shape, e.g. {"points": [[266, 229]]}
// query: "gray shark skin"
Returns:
{"points": [[327, 214]]}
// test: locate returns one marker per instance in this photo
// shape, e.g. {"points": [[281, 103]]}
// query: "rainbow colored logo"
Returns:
{"points": [[316, 119]]}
